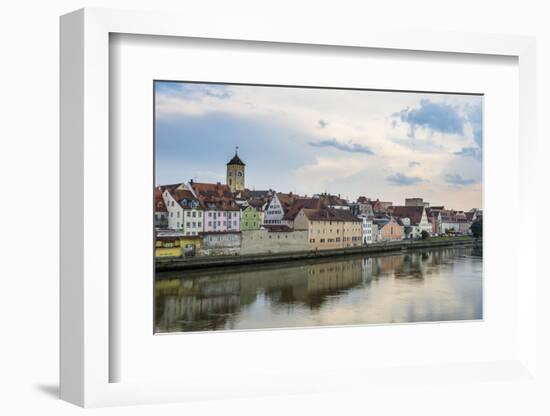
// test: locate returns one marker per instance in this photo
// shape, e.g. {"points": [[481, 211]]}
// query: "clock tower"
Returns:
{"points": [[235, 173]]}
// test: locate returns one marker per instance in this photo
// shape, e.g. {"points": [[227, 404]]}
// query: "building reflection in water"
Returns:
{"points": [[402, 287]]}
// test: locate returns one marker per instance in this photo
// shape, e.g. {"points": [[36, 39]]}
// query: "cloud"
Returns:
{"points": [[217, 92], [344, 147], [472, 152], [474, 115], [193, 91], [413, 163], [458, 180], [439, 117], [403, 180], [322, 124]]}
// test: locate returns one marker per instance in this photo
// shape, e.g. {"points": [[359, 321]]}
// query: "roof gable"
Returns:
{"points": [[414, 213]]}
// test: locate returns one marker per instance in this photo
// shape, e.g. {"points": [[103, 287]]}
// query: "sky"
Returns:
{"points": [[379, 144]]}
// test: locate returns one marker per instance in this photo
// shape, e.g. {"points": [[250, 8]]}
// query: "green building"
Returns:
{"points": [[251, 218]]}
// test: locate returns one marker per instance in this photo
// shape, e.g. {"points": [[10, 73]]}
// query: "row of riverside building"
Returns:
{"points": [[195, 218]]}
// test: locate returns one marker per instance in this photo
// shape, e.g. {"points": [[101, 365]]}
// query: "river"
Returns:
{"points": [[440, 284]]}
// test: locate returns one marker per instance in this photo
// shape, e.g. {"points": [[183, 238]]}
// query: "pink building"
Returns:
{"points": [[222, 219], [221, 212]]}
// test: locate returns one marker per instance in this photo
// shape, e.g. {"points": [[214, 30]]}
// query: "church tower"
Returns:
{"points": [[235, 173]]}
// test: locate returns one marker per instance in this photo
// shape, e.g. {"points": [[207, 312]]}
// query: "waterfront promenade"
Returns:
{"points": [[205, 262]]}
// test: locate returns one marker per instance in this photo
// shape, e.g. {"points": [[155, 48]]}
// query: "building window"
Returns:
{"points": [[312, 240], [194, 214], [322, 240], [188, 224], [199, 224]]}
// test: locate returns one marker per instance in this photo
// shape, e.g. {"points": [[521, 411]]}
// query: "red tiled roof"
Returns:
{"points": [[330, 214], [184, 198], [294, 209], [160, 206], [287, 199], [179, 194], [169, 187], [328, 200], [217, 190], [413, 213], [257, 203], [248, 193], [215, 196]]}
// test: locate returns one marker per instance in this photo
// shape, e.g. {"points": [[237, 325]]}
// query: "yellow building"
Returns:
{"points": [[175, 244], [329, 228]]}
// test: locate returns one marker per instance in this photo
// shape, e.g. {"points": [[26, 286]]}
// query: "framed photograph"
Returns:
{"points": [[238, 208], [289, 239]]}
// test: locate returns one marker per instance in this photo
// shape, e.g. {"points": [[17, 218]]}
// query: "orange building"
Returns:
{"points": [[389, 229]]}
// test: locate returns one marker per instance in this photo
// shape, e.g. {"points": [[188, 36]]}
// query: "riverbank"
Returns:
{"points": [[192, 263]]}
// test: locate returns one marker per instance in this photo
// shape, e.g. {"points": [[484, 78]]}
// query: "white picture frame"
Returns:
{"points": [[85, 212]]}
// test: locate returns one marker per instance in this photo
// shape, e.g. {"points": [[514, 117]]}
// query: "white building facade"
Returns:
{"points": [[368, 236], [274, 213], [185, 215]]}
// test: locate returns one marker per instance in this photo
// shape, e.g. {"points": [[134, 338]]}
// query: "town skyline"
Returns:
{"points": [[426, 145]]}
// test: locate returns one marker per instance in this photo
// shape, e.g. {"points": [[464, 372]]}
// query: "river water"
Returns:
{"points": [[418, 286]]}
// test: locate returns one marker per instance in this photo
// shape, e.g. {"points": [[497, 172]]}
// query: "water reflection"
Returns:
{"points": [[429, 285]]}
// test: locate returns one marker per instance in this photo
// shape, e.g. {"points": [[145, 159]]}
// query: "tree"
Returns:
{"points": [[425, 234], [477, 228]]}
